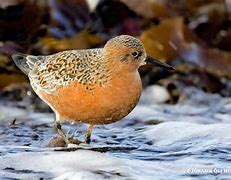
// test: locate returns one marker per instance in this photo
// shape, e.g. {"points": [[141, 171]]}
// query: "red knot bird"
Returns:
{"points": [[92, 86]]}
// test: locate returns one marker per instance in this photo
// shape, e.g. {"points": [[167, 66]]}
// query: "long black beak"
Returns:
{"points": [[155, 62]]}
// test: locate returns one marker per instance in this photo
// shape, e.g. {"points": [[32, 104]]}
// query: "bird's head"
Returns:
{"points": [[130, 52]]}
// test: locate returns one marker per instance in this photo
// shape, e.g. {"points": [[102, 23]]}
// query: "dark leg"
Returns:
{"points": [[88, 133], [58, 129]]}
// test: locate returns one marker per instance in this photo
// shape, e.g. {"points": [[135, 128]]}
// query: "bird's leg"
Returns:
{"points": [[58, 129], [88, 133]]}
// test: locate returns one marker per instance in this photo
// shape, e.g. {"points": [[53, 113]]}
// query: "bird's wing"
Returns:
{"points": [[48, 73]]}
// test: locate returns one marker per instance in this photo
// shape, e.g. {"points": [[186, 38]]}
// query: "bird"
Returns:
{"points": [[93, 86]]}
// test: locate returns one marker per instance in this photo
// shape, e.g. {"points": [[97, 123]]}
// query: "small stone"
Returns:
{"points": [[154, 94], [56, 142]]}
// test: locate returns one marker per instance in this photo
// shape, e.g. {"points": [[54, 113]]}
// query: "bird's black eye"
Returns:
{"points": [[136, 54]]}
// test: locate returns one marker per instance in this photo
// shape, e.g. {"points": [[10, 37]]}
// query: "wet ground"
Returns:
{"points": [[189, 140]]}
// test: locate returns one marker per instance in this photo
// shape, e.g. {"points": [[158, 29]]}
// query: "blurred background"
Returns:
{"points": [[182, 121], [192, 35]]}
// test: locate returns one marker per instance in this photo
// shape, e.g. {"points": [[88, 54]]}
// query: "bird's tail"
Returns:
{"points": [[24, 62]]}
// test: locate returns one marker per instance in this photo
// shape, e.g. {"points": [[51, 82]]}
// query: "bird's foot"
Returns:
{"points": [[69, 140], [75, 141]]}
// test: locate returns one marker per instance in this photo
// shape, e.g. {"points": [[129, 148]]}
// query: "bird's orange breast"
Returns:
{"points": [[101, 105]]}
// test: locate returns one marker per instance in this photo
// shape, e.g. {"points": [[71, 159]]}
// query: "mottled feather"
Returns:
{"points": [[48, 73]]}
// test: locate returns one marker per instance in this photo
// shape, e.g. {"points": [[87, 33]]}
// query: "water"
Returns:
{"points": [[189, 140]]}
